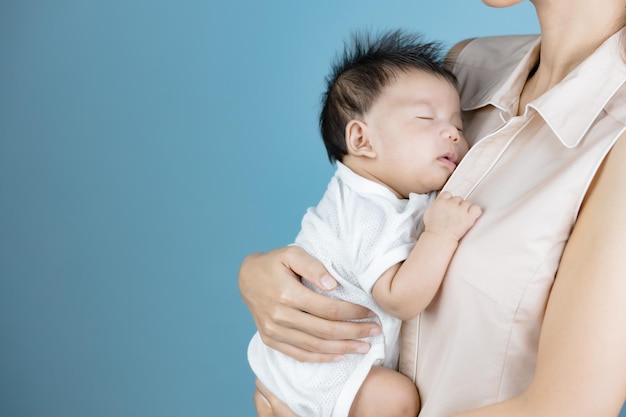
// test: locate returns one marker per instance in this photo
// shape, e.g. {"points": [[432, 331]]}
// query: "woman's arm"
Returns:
{"points": [[581, 364], [295, 320]]}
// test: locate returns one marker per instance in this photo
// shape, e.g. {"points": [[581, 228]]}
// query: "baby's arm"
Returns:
{"points": [[406, 288]]}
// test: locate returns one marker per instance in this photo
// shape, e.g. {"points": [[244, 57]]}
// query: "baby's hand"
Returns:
{"points": [[450, 216]]}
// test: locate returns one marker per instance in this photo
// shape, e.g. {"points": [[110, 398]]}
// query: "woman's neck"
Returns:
{"points": [[570, 32]]}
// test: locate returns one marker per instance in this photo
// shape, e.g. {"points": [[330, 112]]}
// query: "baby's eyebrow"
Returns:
{"points": [[419, 102], [420, 106]]}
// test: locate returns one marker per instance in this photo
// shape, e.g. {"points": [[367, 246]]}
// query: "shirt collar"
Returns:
{"points": [[361, 184], [571, 106]]}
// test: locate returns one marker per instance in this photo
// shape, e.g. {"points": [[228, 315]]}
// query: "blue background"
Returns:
{"points": [[145, 148]]}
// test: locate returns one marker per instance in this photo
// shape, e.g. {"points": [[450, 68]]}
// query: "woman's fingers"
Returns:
{"points": [[304, 265], [306, 348], [315, 339], [262, 406], [329, 308], [276, 407], [333, 330]]}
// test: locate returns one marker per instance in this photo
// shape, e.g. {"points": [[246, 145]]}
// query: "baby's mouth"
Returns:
{"points": [[449, 159]]}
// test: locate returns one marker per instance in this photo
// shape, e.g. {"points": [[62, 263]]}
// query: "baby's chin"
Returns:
{"points": [[441, 184]]}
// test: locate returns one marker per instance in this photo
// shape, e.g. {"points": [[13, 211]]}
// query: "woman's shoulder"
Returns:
{"points": [[455, 51], [490, 52], [481, 64], [612, 170]]}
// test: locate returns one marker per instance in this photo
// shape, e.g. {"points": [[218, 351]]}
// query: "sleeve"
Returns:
{"points": [[384, 235]]}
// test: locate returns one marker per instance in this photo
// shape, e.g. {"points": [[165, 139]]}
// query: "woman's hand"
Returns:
{"points": [[268, 405], [295, 320]]}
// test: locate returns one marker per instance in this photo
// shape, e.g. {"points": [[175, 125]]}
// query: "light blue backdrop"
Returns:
{"points": [[145, 148]]}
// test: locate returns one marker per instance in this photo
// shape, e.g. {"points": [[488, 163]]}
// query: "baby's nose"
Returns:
{"points": [[453, 138]]}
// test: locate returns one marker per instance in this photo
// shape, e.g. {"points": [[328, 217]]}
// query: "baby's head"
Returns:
{"points": [[391, 112]]}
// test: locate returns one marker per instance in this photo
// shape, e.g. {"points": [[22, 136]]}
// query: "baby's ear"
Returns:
{"points": [[358, 139]]}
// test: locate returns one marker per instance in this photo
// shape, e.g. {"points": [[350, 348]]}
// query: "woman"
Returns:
{"points": [[530, 319]]}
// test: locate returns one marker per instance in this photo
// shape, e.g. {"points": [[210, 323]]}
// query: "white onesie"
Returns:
{"points": [[358, 230]]}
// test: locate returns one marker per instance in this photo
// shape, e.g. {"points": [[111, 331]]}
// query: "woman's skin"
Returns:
{"points": [[581, 365]]}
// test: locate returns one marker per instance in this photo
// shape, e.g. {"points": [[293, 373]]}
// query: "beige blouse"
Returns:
{"points": [[476, 343]]}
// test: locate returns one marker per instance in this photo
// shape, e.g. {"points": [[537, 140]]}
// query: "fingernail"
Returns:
{"points": [[328, 282], [374, 331], [338, 358], [362, 349]]}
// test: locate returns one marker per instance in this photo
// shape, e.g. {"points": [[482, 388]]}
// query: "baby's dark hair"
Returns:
{"points": [[367, 65]]}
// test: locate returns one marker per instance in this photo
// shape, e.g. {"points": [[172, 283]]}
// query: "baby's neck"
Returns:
{"points": [[366, 168]]}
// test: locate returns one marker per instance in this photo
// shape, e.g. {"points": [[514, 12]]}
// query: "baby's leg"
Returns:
{"points": [[388, 393]]}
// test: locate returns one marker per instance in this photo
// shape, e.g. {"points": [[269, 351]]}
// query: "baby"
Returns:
{"points": [[391, 122]]}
